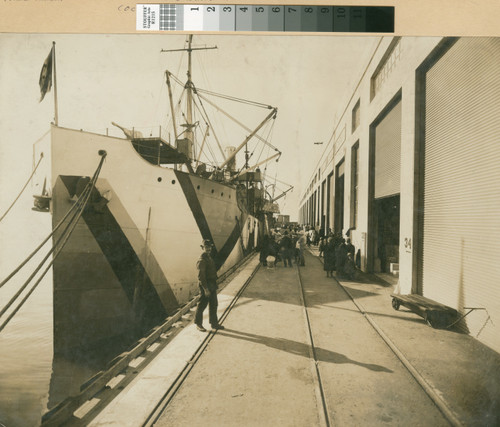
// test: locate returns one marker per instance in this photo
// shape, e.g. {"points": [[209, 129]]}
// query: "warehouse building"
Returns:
{"points": [[412, 173]]}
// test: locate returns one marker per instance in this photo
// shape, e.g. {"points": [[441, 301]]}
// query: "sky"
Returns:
{"points": [[105, 78]]}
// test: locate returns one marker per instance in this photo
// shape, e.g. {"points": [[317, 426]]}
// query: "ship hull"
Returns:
{"points": [[131, 259]]}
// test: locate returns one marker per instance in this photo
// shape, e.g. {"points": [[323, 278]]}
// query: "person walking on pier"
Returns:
{"points": [[301, 243], [329, 257], [207, 282]]}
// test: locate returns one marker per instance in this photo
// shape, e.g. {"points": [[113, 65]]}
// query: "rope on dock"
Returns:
{"points": [[22, 190], [56, 249]]}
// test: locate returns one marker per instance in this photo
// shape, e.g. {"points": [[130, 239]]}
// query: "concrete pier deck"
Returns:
{"points": [[349, 359]]}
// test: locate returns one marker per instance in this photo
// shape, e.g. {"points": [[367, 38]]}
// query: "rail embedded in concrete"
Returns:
{"points": [[170, 393], [428, 389]]}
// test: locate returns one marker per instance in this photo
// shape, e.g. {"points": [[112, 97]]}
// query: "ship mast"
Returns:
{"points": [[186, 144], [189, 91]]}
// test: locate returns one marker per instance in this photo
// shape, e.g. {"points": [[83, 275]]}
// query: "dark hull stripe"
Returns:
{"points": [[221, 256], [195, 206], [121, 257]]}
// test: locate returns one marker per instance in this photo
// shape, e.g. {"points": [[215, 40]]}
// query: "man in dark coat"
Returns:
{"points": [[264, 250], [207, 282], [340, 257], [286, 250], [329, 257]]}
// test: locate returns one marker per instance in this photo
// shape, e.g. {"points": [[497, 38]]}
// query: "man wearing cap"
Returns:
{"points": [[207, 281]]}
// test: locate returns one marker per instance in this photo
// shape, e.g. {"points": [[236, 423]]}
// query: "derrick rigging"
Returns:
{"points": [[195, 102]]}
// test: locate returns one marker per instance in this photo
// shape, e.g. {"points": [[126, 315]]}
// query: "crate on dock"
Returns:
{"points": [[435, 314]]}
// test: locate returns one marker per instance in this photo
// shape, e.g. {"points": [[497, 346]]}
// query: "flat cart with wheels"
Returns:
{"points": [[435, 314]]}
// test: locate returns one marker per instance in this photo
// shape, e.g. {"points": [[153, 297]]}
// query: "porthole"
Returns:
{"points": [[198, 187], [159, 179], [222, 194], [213, 191], [173, 181], [230, 196]]}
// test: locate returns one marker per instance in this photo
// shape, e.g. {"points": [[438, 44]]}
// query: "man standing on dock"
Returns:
{"points": [[207, 282]]}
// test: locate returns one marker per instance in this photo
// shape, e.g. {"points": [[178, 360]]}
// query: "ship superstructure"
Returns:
{"points": [[131, 259]]}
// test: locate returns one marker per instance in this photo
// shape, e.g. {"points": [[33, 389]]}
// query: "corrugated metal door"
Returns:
{"points": [[461, 194], [388, 154]]}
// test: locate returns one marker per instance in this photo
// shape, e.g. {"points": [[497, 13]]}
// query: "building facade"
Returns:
{"points": [[412, 173]]}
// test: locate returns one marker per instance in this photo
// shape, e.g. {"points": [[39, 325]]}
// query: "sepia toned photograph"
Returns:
{"points": [[249, 229]]}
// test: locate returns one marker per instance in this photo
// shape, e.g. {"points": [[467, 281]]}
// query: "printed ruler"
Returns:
{"points": [[291, 18]]}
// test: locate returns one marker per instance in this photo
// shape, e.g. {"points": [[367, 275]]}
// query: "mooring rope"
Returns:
{"points": [[22, 190], [65, 235], [75, 205]]}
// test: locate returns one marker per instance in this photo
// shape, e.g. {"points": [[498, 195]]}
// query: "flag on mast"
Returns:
{"points": [[46, 75]]}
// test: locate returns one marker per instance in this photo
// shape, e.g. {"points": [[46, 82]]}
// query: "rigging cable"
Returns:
{"points": [[268, 125], [267, 134], [177, 80], [215, 118], [22, 190], [77, 204], [65, 235], [235, 99], [228, 97], [207, 118], [202, 68], [43, 243], [219, 109]]}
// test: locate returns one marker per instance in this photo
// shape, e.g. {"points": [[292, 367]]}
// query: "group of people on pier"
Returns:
{"points": [[338, 255], [288, 244], [283, 245]]}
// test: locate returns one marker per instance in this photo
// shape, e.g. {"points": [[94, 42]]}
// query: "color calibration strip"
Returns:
{"points": [[213, 18]]}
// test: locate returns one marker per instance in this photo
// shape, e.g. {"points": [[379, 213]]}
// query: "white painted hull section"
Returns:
{"points": [[152, 210]]}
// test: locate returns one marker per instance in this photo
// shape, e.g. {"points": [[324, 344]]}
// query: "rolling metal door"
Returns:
{"points": [[461, 194], [388, 154]]}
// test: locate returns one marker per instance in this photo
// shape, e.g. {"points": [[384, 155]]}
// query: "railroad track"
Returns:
{"points": [[314, 350], [427, 389], [170, 393], [326, 411]]}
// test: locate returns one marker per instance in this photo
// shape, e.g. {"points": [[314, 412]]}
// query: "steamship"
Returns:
{"points": [[130, 260]]}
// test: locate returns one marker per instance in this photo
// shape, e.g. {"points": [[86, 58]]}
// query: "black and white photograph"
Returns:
{"points": [[249, 229]]}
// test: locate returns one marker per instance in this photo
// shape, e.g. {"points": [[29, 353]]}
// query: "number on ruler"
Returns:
{"points": [[226, 9], [308, 10], [291, 9], [195, 8], [324, 10], [210, 9], [259, 9], [244, 9], [276, 9]]}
